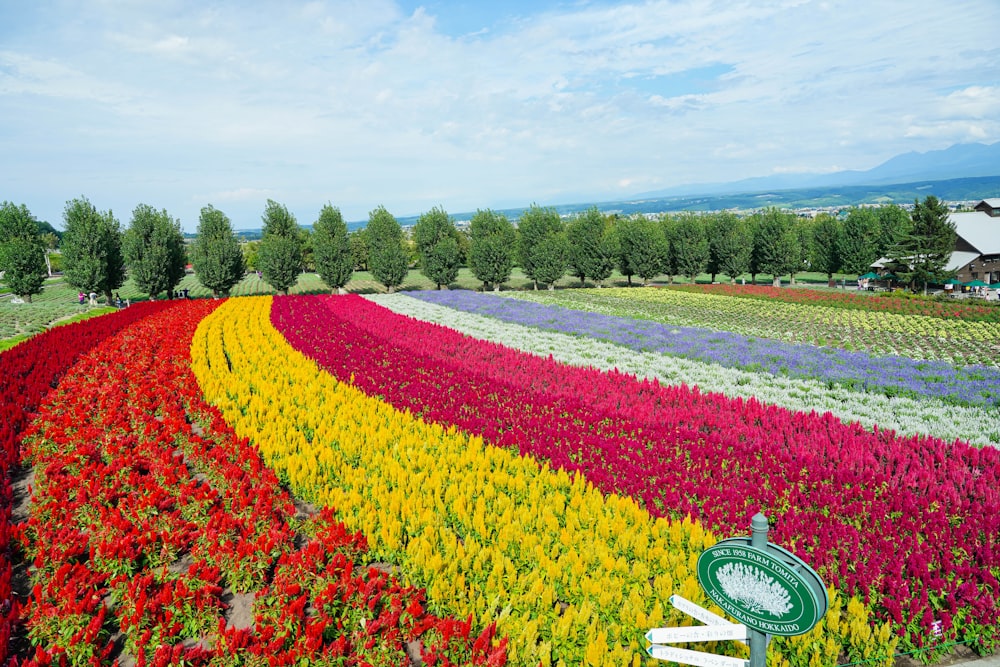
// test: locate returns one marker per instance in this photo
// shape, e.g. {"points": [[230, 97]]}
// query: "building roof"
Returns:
{"points": [[980, 230], [959, 259], [992, 203]]}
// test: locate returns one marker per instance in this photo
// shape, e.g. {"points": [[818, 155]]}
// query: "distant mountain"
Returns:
{"points": [[958, 161]]}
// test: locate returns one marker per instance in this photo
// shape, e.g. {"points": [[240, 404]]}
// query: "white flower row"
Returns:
{"points": [[908, 416]]}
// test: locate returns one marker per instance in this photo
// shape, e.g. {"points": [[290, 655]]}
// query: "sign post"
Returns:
{"points": [[769, 590], [758, 540]]}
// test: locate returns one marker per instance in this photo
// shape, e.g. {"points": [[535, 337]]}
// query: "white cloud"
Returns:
{"points": [[362, 100]]}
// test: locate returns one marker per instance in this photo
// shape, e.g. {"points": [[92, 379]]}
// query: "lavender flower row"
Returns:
{"points": [[889, 375]]}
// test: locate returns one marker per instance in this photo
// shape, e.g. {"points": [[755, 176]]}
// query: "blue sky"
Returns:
{"points": [[467, 105]]}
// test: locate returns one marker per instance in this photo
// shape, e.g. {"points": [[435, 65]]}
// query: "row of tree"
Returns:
{"points": [[98, 255]]}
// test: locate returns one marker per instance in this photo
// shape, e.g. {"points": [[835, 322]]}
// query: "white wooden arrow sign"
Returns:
{"points": [[686, 657], [699, 613], [697, 633]]}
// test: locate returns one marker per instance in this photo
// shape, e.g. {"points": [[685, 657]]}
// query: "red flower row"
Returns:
{"points": [[910, 523], [28, 371], [150, 516]]}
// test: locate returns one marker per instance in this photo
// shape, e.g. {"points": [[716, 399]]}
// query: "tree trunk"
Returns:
{"points": [[496, 288], [48, 263], [341, 290], [552, 287], [27, 298], [776, 281], [535, 282]]}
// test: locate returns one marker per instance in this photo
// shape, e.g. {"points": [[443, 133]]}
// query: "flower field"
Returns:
{"points": [[150, 519], [322, 480], [877, 330]]}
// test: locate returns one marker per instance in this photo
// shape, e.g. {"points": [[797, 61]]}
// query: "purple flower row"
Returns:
{"points": [[889, 375]]}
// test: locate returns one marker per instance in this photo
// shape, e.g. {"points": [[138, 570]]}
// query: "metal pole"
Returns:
{"points": [[758, 639]]}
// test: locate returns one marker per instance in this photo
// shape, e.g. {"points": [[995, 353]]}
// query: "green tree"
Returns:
{"points": [[332, 249], [591, 252], [280, 252], [642, 248], [491, 248], [22, 252], [824, 250], [549, 259], [775, 244], [216, 255], [358, 240], [733, 247], [928, 246], [859, 240], [92, 249], [894, 223], [388, 259], [534, 226], [436, 241], [689, 246], [442, 262], [153, 246]]}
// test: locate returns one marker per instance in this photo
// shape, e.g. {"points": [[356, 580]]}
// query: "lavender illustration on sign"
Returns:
{"points": [[754, 588]]}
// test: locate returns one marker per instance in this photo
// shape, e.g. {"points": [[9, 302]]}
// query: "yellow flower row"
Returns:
{"points": [[571, 576]]}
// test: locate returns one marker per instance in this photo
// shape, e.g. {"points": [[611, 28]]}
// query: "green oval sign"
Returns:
{"points": [[761, 589]]}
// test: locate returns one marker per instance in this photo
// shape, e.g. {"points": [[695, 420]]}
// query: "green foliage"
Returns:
{"points": [[280, 252], [549, 259], [441, 262], [689, 246], [331, 248], [824, 249], [642, 248], [590, 252], [437, 246], [92, 248], [388, 259], [859, 241], [153, 246], [534, 226], [776, 248], [22, 253], [729, 245], [894, 224], [45, 228], [358, 241], [926, 248], [251, 255], [216, 255], [491, 253]]}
